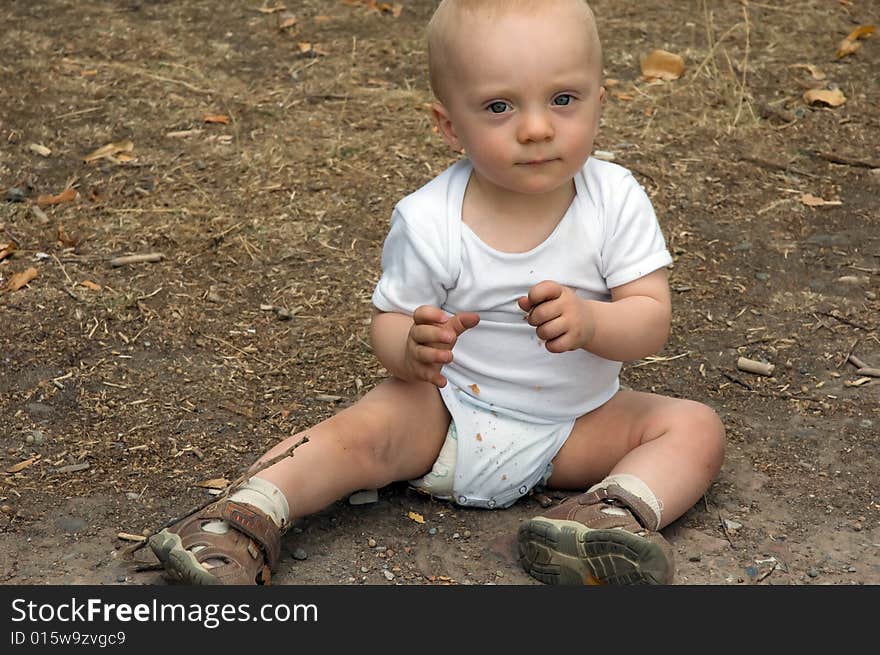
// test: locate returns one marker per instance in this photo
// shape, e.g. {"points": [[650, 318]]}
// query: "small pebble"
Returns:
{"points": [[851, 569], [364, 497], [14, 194], [371, 542], [466, 534], [694, 558], [432, 530], [300, 554], [763, 277], [38, 437], [121, 578], [132, 495], [388, 575], [813, 573], [455, 535], [499, 574]]}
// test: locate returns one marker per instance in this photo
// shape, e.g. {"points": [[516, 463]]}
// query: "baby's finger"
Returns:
{"points": [[428, 314], [524, 303], [544, 313], [463, 321], [432, 334], [543, 291], [428, 355], [552, 330]]}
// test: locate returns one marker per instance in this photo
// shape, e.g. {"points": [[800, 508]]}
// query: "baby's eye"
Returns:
{"points": [[497, 107], [563, 99]]}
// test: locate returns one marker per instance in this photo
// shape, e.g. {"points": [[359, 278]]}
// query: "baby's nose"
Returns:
{"points": [[535, 126]]}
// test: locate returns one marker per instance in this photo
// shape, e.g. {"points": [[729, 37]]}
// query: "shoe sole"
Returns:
{"points": [[560, 552], [178, 561]]}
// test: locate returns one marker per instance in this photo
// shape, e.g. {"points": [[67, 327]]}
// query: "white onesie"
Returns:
{"points": [[608, 236]]}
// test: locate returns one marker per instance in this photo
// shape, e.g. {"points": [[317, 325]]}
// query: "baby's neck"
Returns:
{"points": [[513, 222]]}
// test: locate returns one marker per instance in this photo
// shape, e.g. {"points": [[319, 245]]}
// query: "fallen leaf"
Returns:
{"points": [[68, 195], [479, 437], [19, 280], [15, 468], [286, 20], [475, 389], [418, 518], [861, 32], [814, 201], [213, 483], [610, 82], [307, 49], [815, 73], [847, 48], [110, 150], [626, 97], [7, 249], [829, 97], [662, 65], [39, 149], [851, 43], [216, 118], [90, 285]]}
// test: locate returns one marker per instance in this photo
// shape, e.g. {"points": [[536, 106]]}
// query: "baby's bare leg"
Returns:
{"points": [[674, 446], [393, 433]]}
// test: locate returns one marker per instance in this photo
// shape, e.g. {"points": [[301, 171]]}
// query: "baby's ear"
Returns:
{"points": [[444, 124]]}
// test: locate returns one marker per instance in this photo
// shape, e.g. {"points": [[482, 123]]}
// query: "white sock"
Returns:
{"points": [[637, 488], [259, 493]]}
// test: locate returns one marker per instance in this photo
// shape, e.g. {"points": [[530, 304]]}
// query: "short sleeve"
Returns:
{"points": [[413, 272], [634, 245]]}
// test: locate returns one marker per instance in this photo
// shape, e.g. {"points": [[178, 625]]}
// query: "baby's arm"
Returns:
{"points": [[417, 347], [634, 324]]}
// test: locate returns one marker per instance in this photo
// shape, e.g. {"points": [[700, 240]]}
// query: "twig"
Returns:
{"points": [[724, 530], [137, 259], [849, 353], [235, 484], [855, 361], [735, 379], [847, 161], [263, 466], [869, 372], [785, 168], [843, 319]]}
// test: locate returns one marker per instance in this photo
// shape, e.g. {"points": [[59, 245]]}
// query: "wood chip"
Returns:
{"points": [[68, 195], [39, 149], [21, 466], [110, 150], [73, 468]]}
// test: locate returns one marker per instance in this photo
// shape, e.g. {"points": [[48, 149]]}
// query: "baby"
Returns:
{"points": [[513, 286]]}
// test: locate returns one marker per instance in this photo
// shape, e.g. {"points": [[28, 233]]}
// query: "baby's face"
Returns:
{"points": [[523, 97]]}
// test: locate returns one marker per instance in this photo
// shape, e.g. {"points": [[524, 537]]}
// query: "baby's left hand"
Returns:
{"points": [[563, 319]]}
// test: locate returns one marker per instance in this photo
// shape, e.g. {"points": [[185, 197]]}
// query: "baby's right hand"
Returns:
{"points": [[431, 339]]}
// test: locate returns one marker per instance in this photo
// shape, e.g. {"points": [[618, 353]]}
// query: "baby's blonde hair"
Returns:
{"points": [[450, 11]]}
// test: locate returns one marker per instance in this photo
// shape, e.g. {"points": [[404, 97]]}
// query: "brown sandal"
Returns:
{"points": [[249, 550]]}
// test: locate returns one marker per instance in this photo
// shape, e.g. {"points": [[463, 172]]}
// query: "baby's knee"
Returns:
{"points": [[363, 438], [705, 426]]}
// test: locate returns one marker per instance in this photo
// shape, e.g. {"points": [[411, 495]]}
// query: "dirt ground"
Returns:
{"points": [[124, 387]]}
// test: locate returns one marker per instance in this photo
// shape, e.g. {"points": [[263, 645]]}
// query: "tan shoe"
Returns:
{"points": [[596, 538]]}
